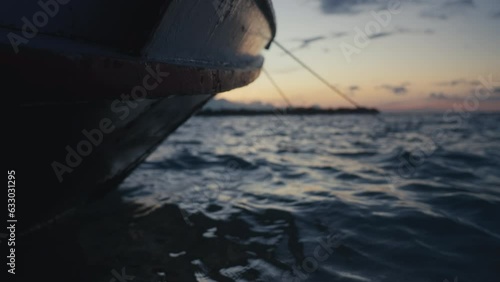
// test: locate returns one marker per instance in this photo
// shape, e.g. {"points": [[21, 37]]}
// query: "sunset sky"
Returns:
{"points": [[429, 55]]}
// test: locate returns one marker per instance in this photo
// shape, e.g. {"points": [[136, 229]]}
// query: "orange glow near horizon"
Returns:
{"points": [[415, 62]]}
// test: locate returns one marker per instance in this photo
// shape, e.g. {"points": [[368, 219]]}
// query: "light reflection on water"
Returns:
{"points": [[293, 180], [251, 199]]}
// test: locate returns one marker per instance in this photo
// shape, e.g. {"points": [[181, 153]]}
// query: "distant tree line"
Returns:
{"points": [[288, 111]]}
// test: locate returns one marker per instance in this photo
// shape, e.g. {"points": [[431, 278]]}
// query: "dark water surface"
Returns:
{"points": [[314, 198]]}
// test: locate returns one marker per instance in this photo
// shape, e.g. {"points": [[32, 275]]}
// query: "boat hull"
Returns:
{"points": [[67, 154], [88, 102]]}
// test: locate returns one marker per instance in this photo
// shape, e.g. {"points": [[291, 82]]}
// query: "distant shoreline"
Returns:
{"points": [[290, 111]]}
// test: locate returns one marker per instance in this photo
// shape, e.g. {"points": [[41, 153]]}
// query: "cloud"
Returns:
{"points": [[339, 34], [438, 96], [439, 9], [458, 82], [398, 89], [346, 6], [415, 31], [305, 42], [353, 89], [447, 8], [401, 31], [459, 3], [396, 31], [496, 15], [457, 98], [380, 34]]}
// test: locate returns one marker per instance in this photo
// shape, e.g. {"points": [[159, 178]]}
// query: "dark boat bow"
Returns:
{"points": [[95, 88]]}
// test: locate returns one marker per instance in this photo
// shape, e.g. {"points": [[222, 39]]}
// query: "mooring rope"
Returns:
{"points": [[318, 76]]}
